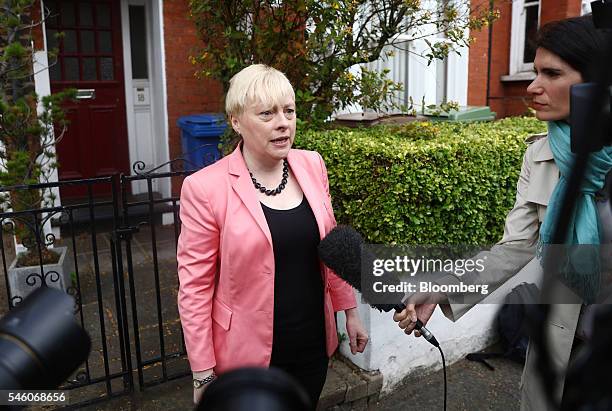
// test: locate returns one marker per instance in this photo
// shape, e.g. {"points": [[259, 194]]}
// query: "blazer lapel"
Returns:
{"points": [[243, 186], [312, 189]]}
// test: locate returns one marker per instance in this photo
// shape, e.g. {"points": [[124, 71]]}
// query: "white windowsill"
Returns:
{"points": [[521, 76]]}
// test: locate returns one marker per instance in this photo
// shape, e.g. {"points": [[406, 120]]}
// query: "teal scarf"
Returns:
{"points": [[580, 270]]}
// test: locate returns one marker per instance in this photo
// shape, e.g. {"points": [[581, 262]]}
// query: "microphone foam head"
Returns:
{"points": [[343, 250], [340, 250]]}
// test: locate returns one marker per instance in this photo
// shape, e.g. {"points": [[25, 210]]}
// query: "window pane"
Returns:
{"points": [[106, 68], [89, 68], [55, 71], [67, 13], [71, 68], [70, 41], [105, 42], [85, 14], [88, 44], [103, 15], [51, 39], [531, 28], [52, 11], [138, 41]]}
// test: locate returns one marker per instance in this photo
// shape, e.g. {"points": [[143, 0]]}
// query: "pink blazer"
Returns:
{"points": [[226, 263]]}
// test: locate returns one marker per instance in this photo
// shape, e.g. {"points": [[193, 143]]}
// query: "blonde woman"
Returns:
{"points": [[252, 289]]}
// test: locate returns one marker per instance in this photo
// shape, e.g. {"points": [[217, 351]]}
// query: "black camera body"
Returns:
{"points": [[590, 116], [590, 103]]}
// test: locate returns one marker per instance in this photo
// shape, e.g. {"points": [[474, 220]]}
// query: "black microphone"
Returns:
{"points": [[342, 250]]}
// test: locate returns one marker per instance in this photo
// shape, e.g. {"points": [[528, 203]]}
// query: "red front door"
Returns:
{"points": [[90, 60]]}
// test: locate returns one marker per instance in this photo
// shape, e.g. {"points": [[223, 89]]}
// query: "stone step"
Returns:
{"points": [[348, 387], [103, 207]]}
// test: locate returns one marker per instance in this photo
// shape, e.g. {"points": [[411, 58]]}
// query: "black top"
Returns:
{"points": [[298, 286]]}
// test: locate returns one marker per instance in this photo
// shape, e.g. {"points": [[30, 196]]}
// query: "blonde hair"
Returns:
{"points": [[254, 84]]}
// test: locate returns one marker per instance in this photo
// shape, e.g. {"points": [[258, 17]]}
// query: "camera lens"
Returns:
{"points": [[40, 342]]}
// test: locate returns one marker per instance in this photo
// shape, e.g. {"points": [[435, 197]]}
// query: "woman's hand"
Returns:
{"points": [[358, 337], [198, 392], [419, 306], [407, 318]]}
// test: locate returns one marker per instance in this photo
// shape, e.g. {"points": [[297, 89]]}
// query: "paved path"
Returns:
{"points": [[471, 386]]}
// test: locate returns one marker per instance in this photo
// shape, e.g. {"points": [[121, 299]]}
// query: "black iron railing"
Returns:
{"points": [[122, 274]]}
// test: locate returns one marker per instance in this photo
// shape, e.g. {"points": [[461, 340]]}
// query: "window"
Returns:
{"points": [[85, 50], [138, 40], [525, 23]]}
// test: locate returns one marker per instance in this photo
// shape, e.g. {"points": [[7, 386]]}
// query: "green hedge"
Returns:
{"points": [[424, 183]]}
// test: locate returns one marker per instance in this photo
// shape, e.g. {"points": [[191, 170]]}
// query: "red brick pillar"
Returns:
{"points": [[187, 94]]}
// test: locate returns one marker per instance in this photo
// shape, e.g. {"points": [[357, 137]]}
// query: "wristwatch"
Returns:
{"points": [[199, 383]]}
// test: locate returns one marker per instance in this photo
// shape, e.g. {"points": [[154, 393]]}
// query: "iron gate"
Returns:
{"points": [[120, 254]]}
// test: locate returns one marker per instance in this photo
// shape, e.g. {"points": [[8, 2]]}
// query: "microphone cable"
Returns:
{"points": [[433, 341], [444, 371], [342, 251]]}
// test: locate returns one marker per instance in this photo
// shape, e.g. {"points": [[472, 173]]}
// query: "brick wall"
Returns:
{"points": [[37, 33], [559, 9], [477, 73], [500, 59], [186, 93], [505, 98]]}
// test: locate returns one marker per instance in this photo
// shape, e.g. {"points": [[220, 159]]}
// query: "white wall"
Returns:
{"points": [[397, 355], [408, 65], [420, 80]]}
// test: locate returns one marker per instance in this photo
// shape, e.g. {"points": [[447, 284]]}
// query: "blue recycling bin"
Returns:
{"points": [[200, 136]]}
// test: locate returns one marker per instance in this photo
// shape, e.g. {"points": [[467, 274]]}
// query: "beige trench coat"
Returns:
{"points": [[515, 254]]}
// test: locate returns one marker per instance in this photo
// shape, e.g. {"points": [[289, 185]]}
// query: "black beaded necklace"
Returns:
{"points": [[280, 187]]}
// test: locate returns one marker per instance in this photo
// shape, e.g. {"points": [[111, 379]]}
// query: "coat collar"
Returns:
{"points": [[544, 174], [542, 151], [243, 186]]}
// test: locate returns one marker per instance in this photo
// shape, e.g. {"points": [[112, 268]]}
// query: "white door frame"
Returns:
{"points": [[147, 125]]}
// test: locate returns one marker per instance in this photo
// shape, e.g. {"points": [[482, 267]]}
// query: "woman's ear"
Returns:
{"points": [[235, 123]]}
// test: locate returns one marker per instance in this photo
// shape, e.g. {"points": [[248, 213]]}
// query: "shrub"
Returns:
{"points": [[30, 126], [316, 43], [424, 183]]}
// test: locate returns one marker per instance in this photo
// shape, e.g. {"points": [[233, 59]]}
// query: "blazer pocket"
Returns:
{"points": [[222, 314]]}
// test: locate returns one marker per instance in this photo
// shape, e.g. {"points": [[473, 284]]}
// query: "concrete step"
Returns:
{"points": [[348, 387], [103, 208]]}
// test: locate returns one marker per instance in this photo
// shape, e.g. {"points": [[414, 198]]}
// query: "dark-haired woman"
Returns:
{"points": [[567, 54]]}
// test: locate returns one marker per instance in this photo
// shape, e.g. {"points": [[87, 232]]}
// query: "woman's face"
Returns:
{"points": [[551, 88], [267, 131]]}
